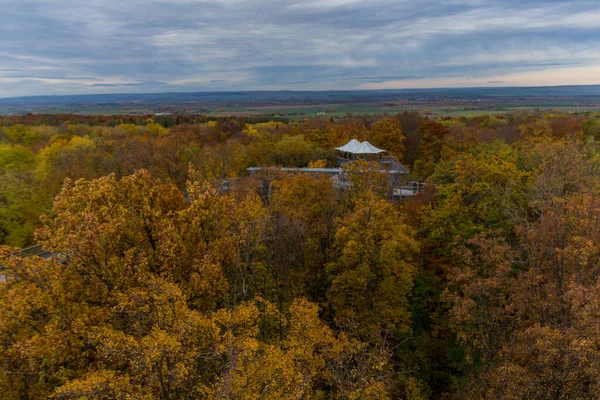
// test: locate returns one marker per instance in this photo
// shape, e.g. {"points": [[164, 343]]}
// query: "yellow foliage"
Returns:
{"points": [[372, 276], [317, 164]]}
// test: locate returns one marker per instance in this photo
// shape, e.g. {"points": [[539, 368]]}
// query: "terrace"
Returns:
{"points": [[354, 150]]}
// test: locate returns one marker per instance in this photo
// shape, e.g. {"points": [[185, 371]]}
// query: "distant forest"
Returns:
{"points": [[165, 285]]}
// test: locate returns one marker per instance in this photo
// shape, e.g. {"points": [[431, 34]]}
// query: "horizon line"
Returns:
{"points": [[295, 91]]}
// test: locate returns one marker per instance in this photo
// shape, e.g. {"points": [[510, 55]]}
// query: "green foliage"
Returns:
{"points": [[481, 190], [372, 276], [15, 157], [22, 134], [591, 130], [292, 151], [19, 201]]}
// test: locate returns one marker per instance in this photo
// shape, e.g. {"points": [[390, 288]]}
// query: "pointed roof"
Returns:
{"points": [[356, 147], [350, 146], [368, 148]]}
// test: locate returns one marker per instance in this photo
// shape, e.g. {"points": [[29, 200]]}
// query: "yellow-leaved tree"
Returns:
{"points": [[371, 277], [387, 134], [151, 294]]}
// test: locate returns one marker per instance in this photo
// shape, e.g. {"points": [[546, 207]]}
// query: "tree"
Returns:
{"points": [[291, 151], [299, 239], [480, 190], [429, 150], [78, 157], [365, 178], [523, 312], [371, 277], [20, 199], [409, 126], [311, 363], [137, 267], [224, 160], [386, 133], [22, 134], [591, 130]]}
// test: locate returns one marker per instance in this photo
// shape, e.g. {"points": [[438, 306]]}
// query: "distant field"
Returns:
{"points": [[436, 103], [298, 113], [294, 112]]}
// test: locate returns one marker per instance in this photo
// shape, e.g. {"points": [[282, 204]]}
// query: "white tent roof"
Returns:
{"points": [[350, 146], [356, 147]]}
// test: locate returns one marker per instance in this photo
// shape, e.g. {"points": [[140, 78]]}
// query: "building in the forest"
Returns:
{"points": [[399, 176]]}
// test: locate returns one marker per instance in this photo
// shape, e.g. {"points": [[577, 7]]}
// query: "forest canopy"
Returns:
{"points": [[165, 283]]}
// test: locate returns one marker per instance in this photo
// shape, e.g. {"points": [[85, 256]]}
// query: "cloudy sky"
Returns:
{"points": [[131, 46]]}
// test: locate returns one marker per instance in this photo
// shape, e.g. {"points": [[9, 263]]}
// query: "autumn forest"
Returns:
{"points": [[173, 274]]}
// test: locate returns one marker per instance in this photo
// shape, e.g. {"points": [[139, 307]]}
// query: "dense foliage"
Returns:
{"points": [[165, 283]]}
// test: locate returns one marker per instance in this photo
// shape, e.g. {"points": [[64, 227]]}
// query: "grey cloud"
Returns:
{"points": [[70, 46]]}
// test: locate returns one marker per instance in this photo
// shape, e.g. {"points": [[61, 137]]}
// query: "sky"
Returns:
{"points": [[52, 47]]}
